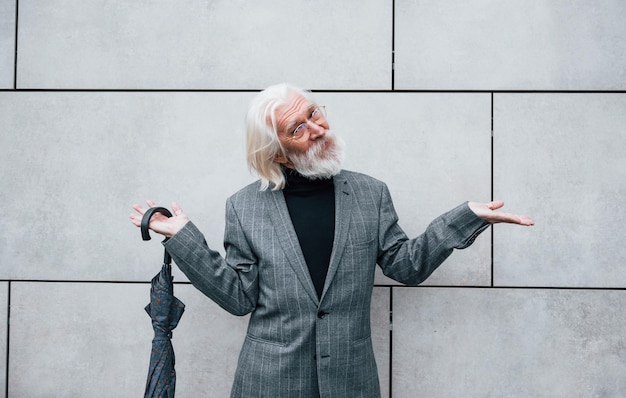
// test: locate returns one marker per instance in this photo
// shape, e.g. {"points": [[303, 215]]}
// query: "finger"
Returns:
{"points": [[495, 204], [177, 209], [516, 219], [135, 219], [139, 209], [150, 203], [525, 220]]}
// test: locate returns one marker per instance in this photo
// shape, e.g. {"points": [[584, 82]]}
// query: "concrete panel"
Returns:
{"points": [[4, 322], [486, 44], [508, 343], [217, 45], [560, 158], [380, 335], [73, 164], [7, 42], [93, 339], [433, 151], [79, 340]]}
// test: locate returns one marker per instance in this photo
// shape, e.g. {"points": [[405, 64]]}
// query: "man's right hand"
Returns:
{"points": [[159, 223]]}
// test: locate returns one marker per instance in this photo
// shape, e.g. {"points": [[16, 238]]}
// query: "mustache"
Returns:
{"points": [[328, 144], [322, 159]]}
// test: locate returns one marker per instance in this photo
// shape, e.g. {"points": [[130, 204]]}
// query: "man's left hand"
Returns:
{"points": [[487, 211]]}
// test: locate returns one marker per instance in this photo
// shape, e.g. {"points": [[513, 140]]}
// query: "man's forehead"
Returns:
{"points": [[294, 103], [291, 111]]}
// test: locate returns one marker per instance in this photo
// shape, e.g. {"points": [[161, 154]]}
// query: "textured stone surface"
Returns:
{"points": [[560, 157], [7, 43], [78, 340], [4, 308], [94, 339], [508, 343], [381, 305], [510, 45], [204, 45]]}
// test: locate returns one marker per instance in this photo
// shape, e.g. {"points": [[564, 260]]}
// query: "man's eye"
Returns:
{"points": [[299, 130], [315, 113]]}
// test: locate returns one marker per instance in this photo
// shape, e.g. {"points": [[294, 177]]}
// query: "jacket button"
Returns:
{"points": [[321, 314]]}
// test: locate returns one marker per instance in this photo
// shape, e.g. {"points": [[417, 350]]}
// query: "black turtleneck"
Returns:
{"points": [[311, 205]]}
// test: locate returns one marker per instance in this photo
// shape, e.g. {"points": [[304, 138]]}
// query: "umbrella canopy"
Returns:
{"points": [[165, 311]]}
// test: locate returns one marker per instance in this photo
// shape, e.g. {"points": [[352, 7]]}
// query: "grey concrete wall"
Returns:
{"points": [[105, 104]]}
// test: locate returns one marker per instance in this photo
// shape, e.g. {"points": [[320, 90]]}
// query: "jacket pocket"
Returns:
{"points": [[265, 341]]}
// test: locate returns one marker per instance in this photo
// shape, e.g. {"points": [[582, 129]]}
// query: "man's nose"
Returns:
{"points": [[315, 130]]}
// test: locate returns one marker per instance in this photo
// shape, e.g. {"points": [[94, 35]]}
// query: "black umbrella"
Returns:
{"points": [[165, 311]]}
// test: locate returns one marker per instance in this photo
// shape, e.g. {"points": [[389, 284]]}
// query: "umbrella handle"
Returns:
{"points": [[145, 231]]}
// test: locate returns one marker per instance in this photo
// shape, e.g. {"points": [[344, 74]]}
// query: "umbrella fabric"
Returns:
{"points": [[165, 311]]}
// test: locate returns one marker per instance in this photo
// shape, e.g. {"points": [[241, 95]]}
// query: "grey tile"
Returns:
{"points": [[560, 158], [94, 339], [4, 321], [78, 340], [433, 151], [485, 45], [74, 163], [7, 43], [508, 343], [380, 335], [231, 44]]}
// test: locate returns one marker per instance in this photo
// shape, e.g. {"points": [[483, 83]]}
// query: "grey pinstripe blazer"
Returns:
{"points": [[298, 345]]}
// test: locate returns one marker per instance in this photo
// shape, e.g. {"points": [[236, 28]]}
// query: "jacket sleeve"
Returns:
{"points": [[232, 282], [411, 261]]}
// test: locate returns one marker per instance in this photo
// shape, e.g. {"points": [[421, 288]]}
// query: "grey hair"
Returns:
{"points": [[262, 144]]}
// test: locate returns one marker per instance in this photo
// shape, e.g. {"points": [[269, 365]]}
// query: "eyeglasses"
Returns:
{"points": [[317, 116]]}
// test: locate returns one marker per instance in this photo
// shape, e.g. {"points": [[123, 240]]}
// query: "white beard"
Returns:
{"points": [[317, 162]]}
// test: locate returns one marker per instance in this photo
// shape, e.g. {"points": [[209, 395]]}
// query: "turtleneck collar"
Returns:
{"points": [[296, 182]]}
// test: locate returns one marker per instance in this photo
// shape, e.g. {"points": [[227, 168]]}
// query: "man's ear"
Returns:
{"points": [[281, 159]]}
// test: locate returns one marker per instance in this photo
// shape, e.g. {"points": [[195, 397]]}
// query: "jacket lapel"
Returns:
{"points": [[344, 203], [289, 242]]}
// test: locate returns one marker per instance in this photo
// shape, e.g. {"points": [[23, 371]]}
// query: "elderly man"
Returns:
{"points": [[301, 248]]}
